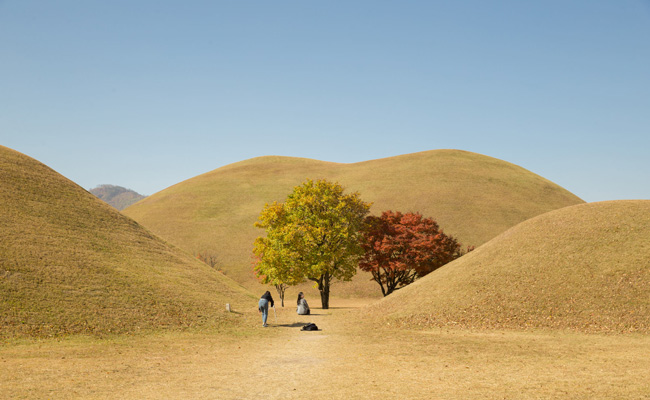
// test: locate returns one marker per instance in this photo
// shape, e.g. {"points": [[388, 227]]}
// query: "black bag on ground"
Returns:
{"points": [[309, 327]]}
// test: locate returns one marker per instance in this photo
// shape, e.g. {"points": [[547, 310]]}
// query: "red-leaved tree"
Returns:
{"points": [[400, 248]]}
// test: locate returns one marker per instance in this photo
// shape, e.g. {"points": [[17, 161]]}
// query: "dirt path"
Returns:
{"points": [[278, 362], [341, 361], [294, 364]]}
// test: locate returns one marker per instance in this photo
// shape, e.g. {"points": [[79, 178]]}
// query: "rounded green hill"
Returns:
{"points": [[583, 268], [473, 197], [69, 263]]}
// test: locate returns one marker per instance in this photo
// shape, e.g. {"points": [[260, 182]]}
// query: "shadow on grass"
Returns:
{"points": [[294, 325]]}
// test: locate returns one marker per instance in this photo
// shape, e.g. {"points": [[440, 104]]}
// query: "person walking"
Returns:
{"points": [[263, 306], [303, 307]]}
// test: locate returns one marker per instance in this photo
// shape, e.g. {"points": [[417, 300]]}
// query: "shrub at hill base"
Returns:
{"points": [[313, 235]]}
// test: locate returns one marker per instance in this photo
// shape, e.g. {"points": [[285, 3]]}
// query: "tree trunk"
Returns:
{"points": [[325, 297], [377, 277], [281, 288], [324, 288]]}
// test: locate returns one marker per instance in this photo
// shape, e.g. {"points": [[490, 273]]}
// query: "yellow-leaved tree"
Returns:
{"points": [[315, 234]]}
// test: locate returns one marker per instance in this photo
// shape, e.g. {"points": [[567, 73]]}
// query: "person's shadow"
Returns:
{"points": [[294, 325]]}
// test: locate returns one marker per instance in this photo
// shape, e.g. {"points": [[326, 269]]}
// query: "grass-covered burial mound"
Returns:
{"points": [[69, 263], [473, 197], [583, 268]]}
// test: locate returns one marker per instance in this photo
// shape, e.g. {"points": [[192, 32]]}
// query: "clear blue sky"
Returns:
{"points": [[145, 94]]}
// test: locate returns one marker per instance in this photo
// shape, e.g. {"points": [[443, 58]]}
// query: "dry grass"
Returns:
{"points": [[473, 197], [69, 263], [87, 269], [345, 360], [583, 268]]}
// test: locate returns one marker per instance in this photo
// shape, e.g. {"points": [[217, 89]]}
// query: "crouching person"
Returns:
{"points": [[303, 307]]}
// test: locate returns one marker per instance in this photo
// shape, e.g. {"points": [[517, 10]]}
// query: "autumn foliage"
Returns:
{"points": [[315, 234], [400, 248]]}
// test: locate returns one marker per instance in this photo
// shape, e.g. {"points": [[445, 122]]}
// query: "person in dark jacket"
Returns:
{"points": [[263, 306], [303, 307]]}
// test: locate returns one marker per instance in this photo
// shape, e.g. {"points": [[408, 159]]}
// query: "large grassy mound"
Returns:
{"points": [[584, 268], [69, 263], [473, 197]]}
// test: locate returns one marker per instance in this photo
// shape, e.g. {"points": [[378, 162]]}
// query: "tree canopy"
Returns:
{"points": [[315, 234], [399, 248]]}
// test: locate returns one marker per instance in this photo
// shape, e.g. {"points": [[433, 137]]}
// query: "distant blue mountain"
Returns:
{"points": [[117, 196]]}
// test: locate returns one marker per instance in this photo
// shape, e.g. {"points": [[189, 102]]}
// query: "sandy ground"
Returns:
{"points": [[343, 360]]}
